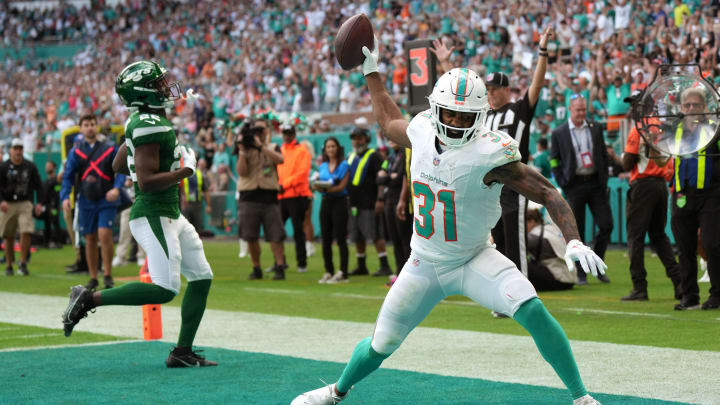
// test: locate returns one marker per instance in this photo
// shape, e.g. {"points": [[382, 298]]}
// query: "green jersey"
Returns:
{"points": [[140, 129]]}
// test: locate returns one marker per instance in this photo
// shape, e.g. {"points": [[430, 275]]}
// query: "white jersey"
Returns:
{"points": [[454, 209]]}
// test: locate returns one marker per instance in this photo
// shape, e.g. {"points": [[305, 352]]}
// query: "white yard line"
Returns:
{"points": [[32, 336], [606, 367], [114, 342]]}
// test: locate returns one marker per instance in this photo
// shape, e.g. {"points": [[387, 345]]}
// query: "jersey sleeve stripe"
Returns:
{"points": [[138, 132]]}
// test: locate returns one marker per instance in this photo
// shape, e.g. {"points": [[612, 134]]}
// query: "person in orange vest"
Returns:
{"points": [[294, 178]]}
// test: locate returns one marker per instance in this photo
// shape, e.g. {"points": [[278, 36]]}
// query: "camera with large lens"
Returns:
{"points": [[248, 134]]}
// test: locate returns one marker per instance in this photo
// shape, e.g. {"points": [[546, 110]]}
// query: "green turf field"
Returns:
{"points": [[593, 312], [112, 374]]}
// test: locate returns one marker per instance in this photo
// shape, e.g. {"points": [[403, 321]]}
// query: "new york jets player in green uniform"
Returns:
{"points": [[152, 157]]}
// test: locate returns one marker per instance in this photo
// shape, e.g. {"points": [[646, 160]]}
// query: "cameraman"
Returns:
{"points": [[258, 187]]}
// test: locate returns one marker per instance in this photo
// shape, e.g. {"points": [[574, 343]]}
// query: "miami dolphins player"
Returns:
{"points": [[152, 157], [457, 170]]}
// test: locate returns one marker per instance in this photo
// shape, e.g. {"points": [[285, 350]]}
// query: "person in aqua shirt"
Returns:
{"points": [[615, 92], [541, 158]]}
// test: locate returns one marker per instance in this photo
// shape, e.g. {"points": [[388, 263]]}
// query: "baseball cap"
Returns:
{"points": [[16, 142], [360, 132], [549, 111], [497, 79], [286, 126]]}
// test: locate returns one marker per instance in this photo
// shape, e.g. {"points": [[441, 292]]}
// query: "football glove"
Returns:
{"points": [[371, 58], [589, 261], [188, 158]]}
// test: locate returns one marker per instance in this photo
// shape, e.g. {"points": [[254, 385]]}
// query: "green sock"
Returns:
{"points": [[364, 361], [192, 310], [552, 343], [136, 293]]}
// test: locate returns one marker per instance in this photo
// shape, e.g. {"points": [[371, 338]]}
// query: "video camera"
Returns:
{"points": [[248, 134]]}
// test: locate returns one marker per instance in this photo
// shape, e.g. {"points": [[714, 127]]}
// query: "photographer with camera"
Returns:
{"points": [[258, 187]]}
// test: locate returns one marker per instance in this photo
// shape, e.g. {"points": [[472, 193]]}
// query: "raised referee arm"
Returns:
{"points": [[387, 113], [539, 75]]}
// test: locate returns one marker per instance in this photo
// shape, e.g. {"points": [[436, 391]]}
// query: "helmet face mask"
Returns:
{"points": [[171, 91], [462, 94]]}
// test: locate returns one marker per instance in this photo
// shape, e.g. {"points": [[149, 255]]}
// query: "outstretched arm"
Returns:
{"points": [[387, 113], [539, 75], [442, 52], [533, 185]]}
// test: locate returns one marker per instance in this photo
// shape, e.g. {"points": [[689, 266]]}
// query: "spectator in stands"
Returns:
{"points": [[258, 188], [579, 162], [193, 191], [696, 205], [615, 93], [294, 175], [366, 204], [50, 202], [392, 178], [646, 212], [541, 158], [547, 270], [98, 196], [332, 180], [19, 187]]}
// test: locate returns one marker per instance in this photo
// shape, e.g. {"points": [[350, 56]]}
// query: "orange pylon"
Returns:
{"points": [[151, 313]]}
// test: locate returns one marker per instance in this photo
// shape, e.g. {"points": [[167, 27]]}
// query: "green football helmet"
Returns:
{"points": [[145, 84]]}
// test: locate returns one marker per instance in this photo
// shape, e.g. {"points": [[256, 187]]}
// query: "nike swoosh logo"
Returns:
{"points": [[505, 144]]}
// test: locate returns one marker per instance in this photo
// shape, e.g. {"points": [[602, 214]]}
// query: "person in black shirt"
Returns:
{"points": [[514, 118], [19, 181], [50, 201], [366, 206], [392, 176]]}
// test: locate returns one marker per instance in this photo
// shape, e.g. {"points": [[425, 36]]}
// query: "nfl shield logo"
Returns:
{"points": [[416, 262], [436, 161]]}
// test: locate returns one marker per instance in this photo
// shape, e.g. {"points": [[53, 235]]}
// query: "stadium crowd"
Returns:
{"points": [[244, 58]]}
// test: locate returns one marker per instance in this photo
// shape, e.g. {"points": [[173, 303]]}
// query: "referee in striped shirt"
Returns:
{"points": [[514, 118]]}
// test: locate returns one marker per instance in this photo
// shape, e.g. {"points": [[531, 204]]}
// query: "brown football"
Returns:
{"points": [[355, 33]]}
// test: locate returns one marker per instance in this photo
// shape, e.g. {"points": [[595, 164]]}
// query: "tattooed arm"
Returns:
{"points": [[530, 183]]}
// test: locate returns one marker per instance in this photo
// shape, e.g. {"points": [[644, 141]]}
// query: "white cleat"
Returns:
{"points": [[325, 278], [321, 396], [586, 400], [337, 278]]}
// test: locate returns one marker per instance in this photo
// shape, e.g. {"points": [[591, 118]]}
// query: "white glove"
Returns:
{"points": [[589, 261], [371, 58], [188, 158]]}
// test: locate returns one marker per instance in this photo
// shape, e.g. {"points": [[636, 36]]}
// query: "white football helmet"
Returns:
{"points": [[461, 90]]}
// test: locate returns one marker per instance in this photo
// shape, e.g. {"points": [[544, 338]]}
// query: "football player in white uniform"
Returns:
{"points": [[458, 169]]}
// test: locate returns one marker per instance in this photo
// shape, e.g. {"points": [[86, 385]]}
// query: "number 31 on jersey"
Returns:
{"points": [[424, 226]]}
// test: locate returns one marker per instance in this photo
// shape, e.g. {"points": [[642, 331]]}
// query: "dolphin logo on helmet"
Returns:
{"points": [[460, 90]]}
